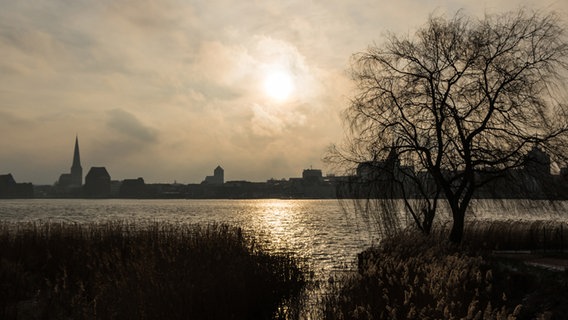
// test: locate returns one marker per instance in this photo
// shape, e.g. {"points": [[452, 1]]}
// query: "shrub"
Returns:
{"points": [[412, 276]]}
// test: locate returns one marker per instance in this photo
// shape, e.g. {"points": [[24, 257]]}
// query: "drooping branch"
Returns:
{"points": [[464, 100]]}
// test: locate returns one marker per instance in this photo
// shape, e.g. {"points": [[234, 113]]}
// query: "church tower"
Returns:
{"points": [[219, 175], [76, 169]]}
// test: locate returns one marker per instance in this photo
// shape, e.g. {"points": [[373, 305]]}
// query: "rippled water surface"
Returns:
{"points": [[319, 230]]}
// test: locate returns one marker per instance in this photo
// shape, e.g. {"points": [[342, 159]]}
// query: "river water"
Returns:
{"points": [[325, 232], [318, 230]]}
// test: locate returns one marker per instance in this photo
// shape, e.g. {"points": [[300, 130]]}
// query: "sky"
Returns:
{"points": [[167, 90]]}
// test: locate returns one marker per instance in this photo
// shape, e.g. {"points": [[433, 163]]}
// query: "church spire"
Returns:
{"points": [[76, 156], [76, 169]]}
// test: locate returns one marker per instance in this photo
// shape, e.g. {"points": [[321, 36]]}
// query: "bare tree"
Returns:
{"points": [[463, 101], [382, 189]]}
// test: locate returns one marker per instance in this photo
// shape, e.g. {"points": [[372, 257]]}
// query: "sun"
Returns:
{"points": [[278, 85]]}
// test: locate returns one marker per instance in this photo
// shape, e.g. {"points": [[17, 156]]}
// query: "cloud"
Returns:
{"points": [[187, 79], [130, 127]]}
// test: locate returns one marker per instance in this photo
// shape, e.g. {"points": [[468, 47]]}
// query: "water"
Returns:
{"points": [[318, 230], [321, 231]]}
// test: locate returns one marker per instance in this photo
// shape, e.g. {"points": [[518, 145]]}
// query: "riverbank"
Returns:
{"points": [[116, 270], [123, 271], [410, 276]]}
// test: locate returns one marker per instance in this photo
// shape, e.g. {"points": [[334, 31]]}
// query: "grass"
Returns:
{"points": [[123, 271], [411, 276]]}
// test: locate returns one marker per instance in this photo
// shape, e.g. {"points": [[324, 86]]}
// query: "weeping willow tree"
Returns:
{"points": [[388, 194], [461, 102]]}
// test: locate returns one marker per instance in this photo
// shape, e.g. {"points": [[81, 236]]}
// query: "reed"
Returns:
{"points": [[533, 235], [118, 270], [412, 276]]}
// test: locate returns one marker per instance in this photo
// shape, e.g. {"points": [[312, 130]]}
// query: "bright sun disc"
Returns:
{"points": [[278, 85]]}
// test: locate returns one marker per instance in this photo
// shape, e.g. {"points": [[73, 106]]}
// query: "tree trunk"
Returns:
{"points": [[428, 219], [456, 234]]}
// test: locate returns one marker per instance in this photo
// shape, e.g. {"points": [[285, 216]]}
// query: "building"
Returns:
{"points": [[133, 188], [380, 169], [74, 179], [97, 183], [388, 178], [313, 176], [537, 163], [218, 177], [311, 185], [9, 188]]}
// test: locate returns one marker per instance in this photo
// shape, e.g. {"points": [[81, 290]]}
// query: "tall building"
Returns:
{"points": [[75, 178], [218, 177]]}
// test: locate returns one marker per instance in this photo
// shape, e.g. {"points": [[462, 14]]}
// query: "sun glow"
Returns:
{"points": [[278, 85]]}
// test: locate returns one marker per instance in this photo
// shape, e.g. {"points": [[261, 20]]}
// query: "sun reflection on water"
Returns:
{"points": [[328, 237], [280, 220]]}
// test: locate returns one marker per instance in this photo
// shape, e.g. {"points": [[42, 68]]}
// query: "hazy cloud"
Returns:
{"points": [[130, 127], [188, 79]]}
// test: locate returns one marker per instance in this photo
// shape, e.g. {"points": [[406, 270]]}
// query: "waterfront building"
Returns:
{"points": [[537, 163], [133, 188], [75, 177], [218, 177], [9, 188], [97, 183], [313, 176]]}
